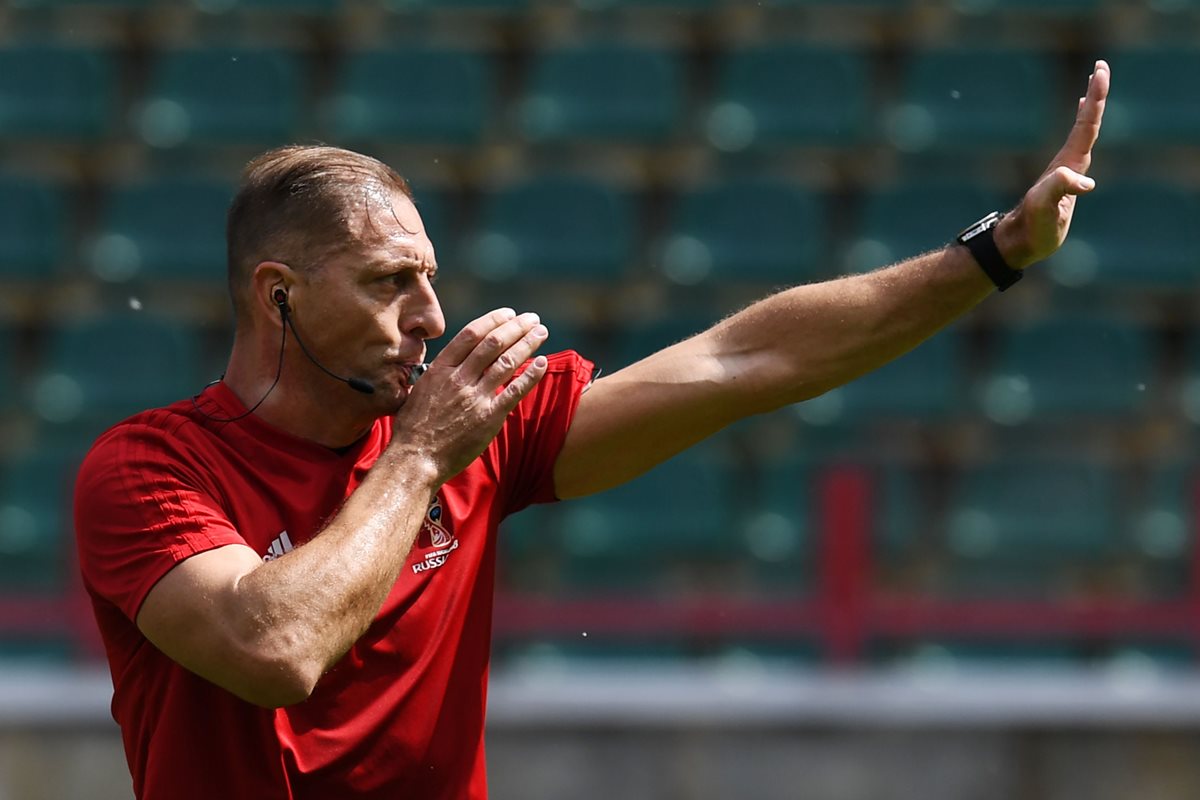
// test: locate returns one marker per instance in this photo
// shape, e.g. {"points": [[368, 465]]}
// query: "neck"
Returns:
{"points": [[303, 403]]}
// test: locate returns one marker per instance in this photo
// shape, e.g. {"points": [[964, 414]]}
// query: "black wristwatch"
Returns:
{"points": [[980, 239]]}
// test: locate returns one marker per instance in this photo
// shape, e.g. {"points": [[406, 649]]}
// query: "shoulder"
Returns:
{"points": [[143, 446], [165, 428]]}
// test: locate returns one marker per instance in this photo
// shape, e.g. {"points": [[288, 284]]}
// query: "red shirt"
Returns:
{"points": [[401, 715]]}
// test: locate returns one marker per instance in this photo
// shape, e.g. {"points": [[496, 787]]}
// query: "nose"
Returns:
{"points": [[425, 320]]}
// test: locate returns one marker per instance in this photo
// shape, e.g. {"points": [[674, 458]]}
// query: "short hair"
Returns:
{"points": [[296, 204]]}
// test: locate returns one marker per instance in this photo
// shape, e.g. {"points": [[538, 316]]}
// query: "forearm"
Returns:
{"points": [[303, 611], [804, 341], [786, 348]]}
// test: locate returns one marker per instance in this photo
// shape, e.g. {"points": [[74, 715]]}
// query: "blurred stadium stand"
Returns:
{"points": [[1021, 489], [658, 165]]}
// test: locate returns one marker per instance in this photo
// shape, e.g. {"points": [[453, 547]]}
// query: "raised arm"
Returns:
{"points": [[807, 340], [268, 631]]}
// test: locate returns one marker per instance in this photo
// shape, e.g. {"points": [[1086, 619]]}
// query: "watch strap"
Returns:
{"points": [[980, 240]]}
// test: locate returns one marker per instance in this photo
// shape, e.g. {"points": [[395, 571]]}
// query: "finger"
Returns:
{"points": [[494, 345], [1076, 152], [466, 340], [1057, 185], [506, 364], [507, 400]]}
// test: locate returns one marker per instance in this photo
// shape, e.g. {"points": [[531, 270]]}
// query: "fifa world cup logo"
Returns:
{"points": [[432, 525]]}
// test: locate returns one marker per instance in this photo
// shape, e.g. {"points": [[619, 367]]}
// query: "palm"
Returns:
{"points": [[1048, 206]]}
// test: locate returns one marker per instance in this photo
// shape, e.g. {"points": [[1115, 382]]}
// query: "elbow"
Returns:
{"points": [[278, 684], [274, 672]]}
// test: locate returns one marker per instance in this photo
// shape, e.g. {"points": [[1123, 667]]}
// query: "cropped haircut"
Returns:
{"points": [[296, 205]]}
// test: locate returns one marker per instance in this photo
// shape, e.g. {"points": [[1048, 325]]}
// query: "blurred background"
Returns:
{"points": [[971, 574]]}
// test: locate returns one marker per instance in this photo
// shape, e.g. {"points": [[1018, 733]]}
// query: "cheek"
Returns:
{"points": [[362, 326]]}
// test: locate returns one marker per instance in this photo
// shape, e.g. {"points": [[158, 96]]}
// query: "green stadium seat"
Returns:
{"points": [[676, 6], [554, 227], [1163, 526], [445, 96], [111, 367], [34, 224], [35, 492], [9, 391], [137, 6], [634, 534], [602, 92], [437, 209], [490, 7], [284, 8], [637, 340], [164, 229], [530, 556], [844, 5], [1155, 100], [774, 520], [56, 92], [1070, 368], [789, 94], [1189, 384], [1169, 8], [928, 383], [974, 99], [1139, 235], [902, 519], [1039, 8], [528, 531], [1016, 523], [907, 219], [755, 230], [221, 95]]}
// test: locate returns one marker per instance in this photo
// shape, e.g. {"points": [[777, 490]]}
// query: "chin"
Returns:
{"points": [[391, 399]]}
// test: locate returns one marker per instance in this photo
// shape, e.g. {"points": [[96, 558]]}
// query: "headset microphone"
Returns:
{"points": [[357, 384]]}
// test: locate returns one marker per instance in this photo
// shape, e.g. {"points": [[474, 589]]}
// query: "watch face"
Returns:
{"points": [[987, 223]]}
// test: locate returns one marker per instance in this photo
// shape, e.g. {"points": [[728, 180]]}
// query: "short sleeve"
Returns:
{"points": [[533, 435], [140, 509]]}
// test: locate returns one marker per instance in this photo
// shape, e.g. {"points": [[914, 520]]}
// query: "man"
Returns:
{"points": [[293, 577]]}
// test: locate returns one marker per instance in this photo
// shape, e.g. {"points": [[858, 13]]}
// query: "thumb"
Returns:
{"points": [[1064, 180]]}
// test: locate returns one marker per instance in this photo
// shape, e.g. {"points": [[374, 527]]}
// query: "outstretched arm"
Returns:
{"points": [[807, 340]]}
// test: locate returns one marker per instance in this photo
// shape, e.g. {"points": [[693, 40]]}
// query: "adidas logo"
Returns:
{"points": [[281, 546]]}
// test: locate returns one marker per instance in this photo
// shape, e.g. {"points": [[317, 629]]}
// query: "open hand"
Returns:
{"points": [[1038, 226], [457, 407]]}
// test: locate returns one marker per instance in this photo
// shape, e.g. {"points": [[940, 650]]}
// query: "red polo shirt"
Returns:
{"points": [[401, 715]]}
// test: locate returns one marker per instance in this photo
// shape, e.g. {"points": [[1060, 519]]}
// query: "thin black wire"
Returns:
{"points": [[252, 409]]}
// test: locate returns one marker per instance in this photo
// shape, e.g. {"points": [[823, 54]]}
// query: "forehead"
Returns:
{"points": [[388, 228]]}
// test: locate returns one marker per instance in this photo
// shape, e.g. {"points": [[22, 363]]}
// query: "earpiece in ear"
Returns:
{"points": [[280, 297]]}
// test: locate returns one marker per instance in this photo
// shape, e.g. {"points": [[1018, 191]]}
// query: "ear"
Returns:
{"points": [[268, 277]]}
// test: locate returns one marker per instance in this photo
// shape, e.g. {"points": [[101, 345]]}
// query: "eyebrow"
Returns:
{"points": [[404, 262]]}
